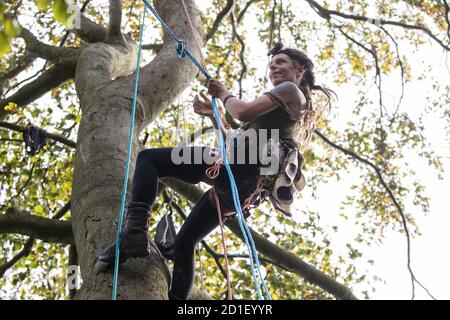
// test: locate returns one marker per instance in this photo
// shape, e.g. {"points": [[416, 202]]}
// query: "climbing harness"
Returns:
{"points": [[183, 52], [165, 235], [34, 139]]}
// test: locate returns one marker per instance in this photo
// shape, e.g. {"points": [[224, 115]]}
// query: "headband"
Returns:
{"points": [[276, 49]]}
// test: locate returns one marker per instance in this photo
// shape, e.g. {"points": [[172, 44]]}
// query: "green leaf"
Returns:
{"points": [[60, 11], [43, 4], [12, 29], [38, 209], [5, 48]]}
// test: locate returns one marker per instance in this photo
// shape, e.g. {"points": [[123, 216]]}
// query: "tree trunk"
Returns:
{"points": [[105, 84]]}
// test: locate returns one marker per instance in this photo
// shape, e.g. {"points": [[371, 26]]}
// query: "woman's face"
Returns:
{"points": [[282, 68]]}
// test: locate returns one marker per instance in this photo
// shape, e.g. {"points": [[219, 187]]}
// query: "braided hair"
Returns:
{"points": [[310, 116]]}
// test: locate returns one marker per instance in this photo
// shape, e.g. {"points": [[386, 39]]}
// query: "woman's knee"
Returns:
{"points": [[148, 154], [156, 156]]}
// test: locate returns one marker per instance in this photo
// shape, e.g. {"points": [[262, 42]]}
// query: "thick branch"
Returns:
{"points": [[48, 230], [326, 14], [90, 31], [286, 259], [166, 76], [46, 51], [292, 263], [56, 75], [29, 244], [114, 34], [48, 135], [153, 46]]}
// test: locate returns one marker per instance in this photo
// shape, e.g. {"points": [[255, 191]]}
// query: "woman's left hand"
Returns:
{"points": [[216, 88], [203, 108]]}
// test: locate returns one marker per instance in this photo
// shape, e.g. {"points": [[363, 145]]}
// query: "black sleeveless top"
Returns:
{"points": [[283, 119]]}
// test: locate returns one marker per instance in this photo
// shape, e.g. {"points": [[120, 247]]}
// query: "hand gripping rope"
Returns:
{"points": [[183, 52]]}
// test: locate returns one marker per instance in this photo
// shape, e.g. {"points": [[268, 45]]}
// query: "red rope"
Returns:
{"points": [[193, 31], [227, 267]]}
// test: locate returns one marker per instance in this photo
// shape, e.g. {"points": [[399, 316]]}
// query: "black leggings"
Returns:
{"points": [[154, 163]]}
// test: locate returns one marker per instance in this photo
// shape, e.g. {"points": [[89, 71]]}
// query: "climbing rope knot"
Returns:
{"points": [[181, 48], [213, 171]]}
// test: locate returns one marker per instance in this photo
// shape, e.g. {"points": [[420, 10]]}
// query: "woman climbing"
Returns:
{"points": [[286, 113]]}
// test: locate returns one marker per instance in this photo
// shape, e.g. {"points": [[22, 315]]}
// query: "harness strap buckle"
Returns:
{"points": [[181, 48]]}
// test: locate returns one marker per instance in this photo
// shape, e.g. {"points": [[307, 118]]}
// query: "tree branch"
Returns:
{"points": [[402, 73], [243, 11], [48, 230], [46, 51], [52, 136], [152, 46], [114, 34], [22, 254], [90, 31], [55, 76], [447, 18], [391, 195], [326, 14], [288, 260], [373, 53], [29, 244], [219, 18], [22, 63], [241, 55]]}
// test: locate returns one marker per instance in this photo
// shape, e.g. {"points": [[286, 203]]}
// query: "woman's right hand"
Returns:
{"points": [[203, 107]]}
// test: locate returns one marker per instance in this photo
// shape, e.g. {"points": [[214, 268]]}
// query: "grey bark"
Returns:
{"points": [[104, 81]]}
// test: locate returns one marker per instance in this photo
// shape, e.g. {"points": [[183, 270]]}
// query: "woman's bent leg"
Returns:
{"points": [[151, 164], [200, 222], [160, 162]]}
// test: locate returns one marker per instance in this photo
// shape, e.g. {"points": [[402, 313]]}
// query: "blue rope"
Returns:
{"points": [[181, 44], [182, 52], [237, 204], [127, 167]]}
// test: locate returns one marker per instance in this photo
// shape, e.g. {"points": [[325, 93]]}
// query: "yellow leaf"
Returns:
{"points": [[39, 210], [12, 29], [5, 48], [60, 11], [11, 107], [43, 4]]}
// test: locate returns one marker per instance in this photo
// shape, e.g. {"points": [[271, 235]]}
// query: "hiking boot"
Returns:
{"points": [[133, 238]]}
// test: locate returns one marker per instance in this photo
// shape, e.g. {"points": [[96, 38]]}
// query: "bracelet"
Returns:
{"points": [[226, 99]]}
